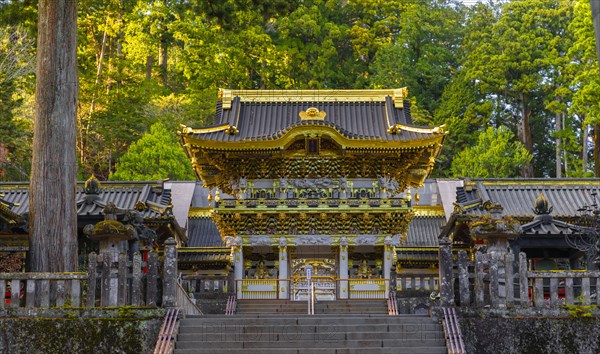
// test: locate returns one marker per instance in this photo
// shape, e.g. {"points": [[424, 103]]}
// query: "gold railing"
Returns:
{"points": [[260, 288], [367, 288], [325, 288]]}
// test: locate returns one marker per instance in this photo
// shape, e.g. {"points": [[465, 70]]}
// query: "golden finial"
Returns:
{"points": [[92, 185]]}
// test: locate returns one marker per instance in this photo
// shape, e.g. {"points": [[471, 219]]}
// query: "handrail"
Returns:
{"points": [[453, 334], [311, 299], [166, 338], [392, 304], [184, 302], [231, 305]]}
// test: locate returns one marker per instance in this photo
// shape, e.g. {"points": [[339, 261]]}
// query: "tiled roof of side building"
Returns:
{"points": [[125, 195], [517, 196], [549, 227], [424, 231], [202, 232]]}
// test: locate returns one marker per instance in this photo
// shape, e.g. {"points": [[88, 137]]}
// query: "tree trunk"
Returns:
{"points": [[584, 151], [52, 210], [557, 128], [163, 58], [597, 150], [149, 65], [596, 20], [563, 151], [525, 134]]}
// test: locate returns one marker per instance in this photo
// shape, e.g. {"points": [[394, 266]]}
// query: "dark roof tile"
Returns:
{"points": [[424, 232], [269, 120], [202, 232]]}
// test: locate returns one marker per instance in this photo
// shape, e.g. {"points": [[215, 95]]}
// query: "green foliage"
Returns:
{"points": [[156, 156], [580, 311], [424, 55], [495, 155], [16, 68], [513, 63]]}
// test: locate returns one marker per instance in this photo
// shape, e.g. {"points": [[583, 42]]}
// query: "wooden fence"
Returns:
{"points": [[507, 282]]}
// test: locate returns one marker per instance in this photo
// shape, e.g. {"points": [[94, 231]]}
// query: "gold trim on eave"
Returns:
{"points": [[397, 128], [301, 131], [200, 212], [429, 210], [398, 95], [229, 129]]}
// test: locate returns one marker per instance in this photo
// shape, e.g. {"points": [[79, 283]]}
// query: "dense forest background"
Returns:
{"points": [[515, 82]]}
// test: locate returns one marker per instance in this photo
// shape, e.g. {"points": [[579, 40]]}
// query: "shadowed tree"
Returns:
{"points": [[53, 214]]}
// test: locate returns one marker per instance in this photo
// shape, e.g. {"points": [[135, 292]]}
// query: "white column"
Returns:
{"points": [[387, 263], [343, 268], [283, 269], [238, 264]]}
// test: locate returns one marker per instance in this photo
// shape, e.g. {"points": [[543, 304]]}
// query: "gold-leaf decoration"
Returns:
{"points": [[312, 113]]}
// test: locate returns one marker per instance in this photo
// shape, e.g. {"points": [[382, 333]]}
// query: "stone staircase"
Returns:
{"points": [[353, 326]]}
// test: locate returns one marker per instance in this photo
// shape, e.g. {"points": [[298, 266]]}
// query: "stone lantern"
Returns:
{"points": [[496, 230]]}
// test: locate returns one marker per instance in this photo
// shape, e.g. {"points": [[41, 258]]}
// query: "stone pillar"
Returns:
{"points": [[343, 291], [283, 269], [170, 274], [387, 263], [238, 264], [446, 286]]}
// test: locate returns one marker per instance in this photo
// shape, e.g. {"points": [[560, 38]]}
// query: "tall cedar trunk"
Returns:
{"points": [[525, 134], [597, 150], [584, 143], [596, 19], [53, 214], [557, 128]]}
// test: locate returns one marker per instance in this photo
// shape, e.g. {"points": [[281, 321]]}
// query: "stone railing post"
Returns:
{"points": [[463, 279], [169, 298], [446, 286]]}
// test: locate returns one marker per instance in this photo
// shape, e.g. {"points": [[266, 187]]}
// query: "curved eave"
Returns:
{"points": [[431, 139]]}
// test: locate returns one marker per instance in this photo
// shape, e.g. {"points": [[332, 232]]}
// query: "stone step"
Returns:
{"points": [[411, 350], [329, 333], [307, 320], [311, 343], [317, 311], [316, 316], [317, 305], [396, 329], [349, 301], [308, 334]]}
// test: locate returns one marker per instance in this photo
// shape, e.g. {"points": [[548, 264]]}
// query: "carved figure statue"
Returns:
{"points": [[388, 183], [282, 241], [283, 183], [136, 219], [243, 183], [261, 271], [343, 183], [364, 271]]}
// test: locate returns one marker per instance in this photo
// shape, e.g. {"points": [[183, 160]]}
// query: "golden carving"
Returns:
{"points": [[262, 271], [312, 113], [246, 224], [364, 270], [429, 211]]}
